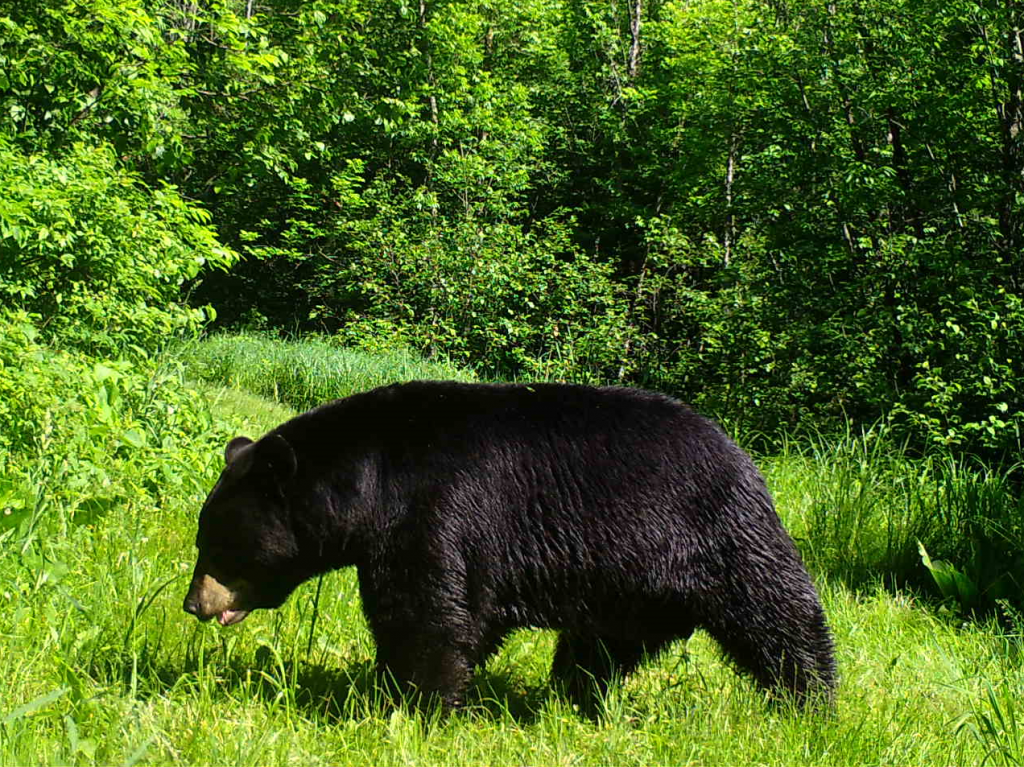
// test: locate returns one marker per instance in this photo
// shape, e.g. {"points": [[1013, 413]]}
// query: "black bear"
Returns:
{"points": [[616, 516]]}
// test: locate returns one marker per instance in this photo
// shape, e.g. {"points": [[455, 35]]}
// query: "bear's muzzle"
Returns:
{"points": [[207, 597]]}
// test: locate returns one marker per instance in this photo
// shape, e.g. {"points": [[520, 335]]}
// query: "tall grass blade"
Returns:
{"points": [[33, 705]]}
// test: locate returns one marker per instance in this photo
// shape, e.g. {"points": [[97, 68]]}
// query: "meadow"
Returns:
{"points": [[103, 667]]}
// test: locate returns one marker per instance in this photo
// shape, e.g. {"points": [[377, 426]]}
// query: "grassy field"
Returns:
{"points": [[103, 667], [304, 374]]}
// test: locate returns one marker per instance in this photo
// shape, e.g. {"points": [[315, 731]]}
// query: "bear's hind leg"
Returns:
{"points": [[585, 665], [784, 644]]}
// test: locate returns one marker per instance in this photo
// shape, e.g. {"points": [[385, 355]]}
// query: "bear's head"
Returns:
{"points": [[248, 552]]}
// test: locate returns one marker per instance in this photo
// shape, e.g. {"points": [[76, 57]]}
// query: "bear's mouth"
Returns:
{"points": [[231, 617], [209, 598]]}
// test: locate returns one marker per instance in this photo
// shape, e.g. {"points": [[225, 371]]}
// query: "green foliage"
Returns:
{"points": [[850, 258], [965, 388], [88, 449], [31, 379], [788, 214], [75, 426], [98, 71], [491, 296], [386, 194], [785, 214], [99, 257], [869, 511], [954, 585]]}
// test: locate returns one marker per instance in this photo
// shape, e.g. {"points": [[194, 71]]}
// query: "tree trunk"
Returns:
{"points": [[1009, 80], [634, 45], [730, 214]]}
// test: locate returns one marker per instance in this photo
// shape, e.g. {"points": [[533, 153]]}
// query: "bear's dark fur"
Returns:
{"points": [[619, 517]]}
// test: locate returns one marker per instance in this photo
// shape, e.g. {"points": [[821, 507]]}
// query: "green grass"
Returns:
{"points": [[103, 687], [305, 373], [102, 666], [861, 508]]}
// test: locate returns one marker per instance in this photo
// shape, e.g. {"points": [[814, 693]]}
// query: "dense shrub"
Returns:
{"points": [[97, 257], [87, 434], [495, 297]]}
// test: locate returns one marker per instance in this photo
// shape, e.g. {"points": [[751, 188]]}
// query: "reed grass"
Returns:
{"points": [[861, 509], [307, 372]]}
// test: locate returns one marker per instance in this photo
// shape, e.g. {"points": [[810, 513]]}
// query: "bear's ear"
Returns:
{"points": [[234, 447], [274, 452]]}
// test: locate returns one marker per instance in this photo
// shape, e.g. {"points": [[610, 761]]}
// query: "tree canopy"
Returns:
{"points": [[781, 211]]}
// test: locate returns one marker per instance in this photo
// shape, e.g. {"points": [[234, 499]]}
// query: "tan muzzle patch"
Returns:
{"points": [[208, 597]]}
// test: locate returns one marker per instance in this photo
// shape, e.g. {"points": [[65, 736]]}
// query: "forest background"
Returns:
{"points": [[785, 213], [806, 219]]}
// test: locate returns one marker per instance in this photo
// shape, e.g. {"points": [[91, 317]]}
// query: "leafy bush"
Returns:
{"points": [[967, 370], [100, 259], [88, 435], [110, 71], [31, 382], [509, 302]]}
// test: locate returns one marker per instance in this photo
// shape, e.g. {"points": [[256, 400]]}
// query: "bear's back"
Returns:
{"points": [[569, 467]]}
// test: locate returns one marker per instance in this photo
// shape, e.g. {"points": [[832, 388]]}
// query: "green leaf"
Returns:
{"points": [[33, 705], [134, 438]]}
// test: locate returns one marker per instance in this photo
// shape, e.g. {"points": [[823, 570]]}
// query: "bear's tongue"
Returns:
{"points": [[229, 617]]}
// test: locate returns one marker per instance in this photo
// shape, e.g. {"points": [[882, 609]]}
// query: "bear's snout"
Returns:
{"points": [[208, 597], [192, 606]]}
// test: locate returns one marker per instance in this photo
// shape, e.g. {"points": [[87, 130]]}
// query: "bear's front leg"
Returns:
{"points": [[424, 668], [414, 599]]}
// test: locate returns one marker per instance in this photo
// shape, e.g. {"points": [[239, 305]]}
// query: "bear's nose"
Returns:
{"points": [[191, 605]]}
